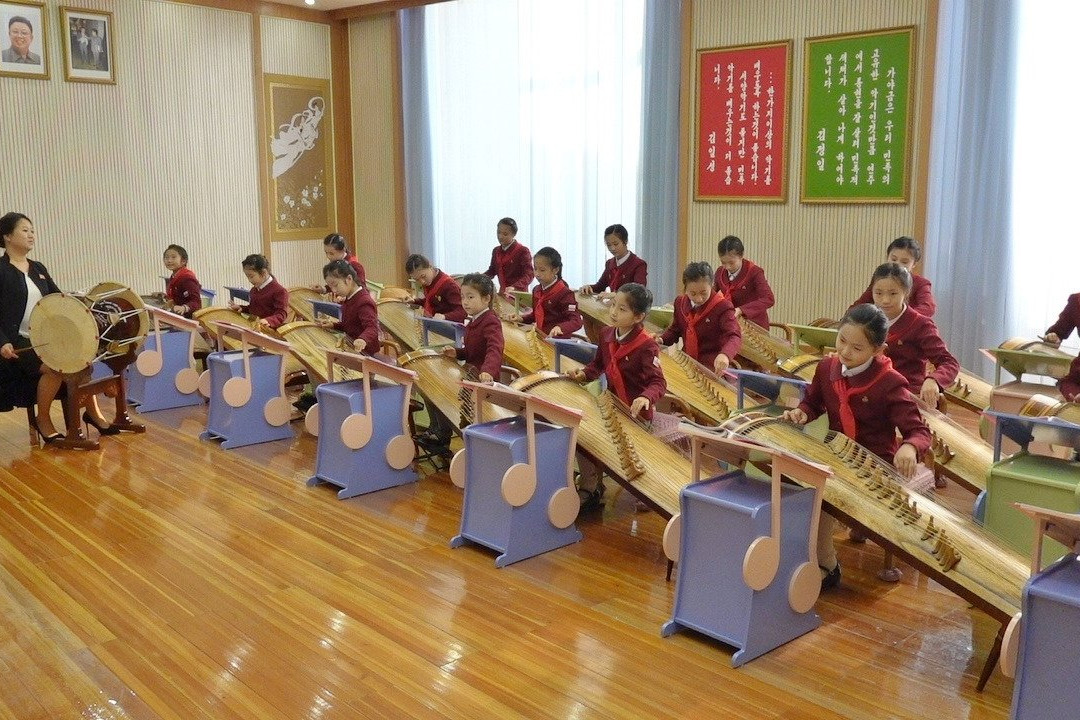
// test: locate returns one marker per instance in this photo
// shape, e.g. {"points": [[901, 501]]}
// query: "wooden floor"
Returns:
{"points": [[163, 577]]}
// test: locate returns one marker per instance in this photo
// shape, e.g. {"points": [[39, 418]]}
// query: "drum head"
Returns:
{"points": [[64, 333]]}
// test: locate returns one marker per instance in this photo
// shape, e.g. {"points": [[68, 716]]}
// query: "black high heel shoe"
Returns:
{"points": [[102, 429], [47, 439]]}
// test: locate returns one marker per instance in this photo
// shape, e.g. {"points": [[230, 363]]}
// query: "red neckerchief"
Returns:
{"points": [[430, 293], [690, 341], [616, 352], [180, 274], [538, 302], [501, 260], [844, 391], [741, 279]]}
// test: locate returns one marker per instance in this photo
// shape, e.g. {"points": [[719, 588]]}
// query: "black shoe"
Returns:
{"points": [[304, 402], [47, 439], [102, 429], [590, 501], [831, 579]]}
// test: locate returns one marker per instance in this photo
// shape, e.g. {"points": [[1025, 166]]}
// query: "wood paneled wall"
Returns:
{"points": [[376, 122], [818, 257], [111, 174]]}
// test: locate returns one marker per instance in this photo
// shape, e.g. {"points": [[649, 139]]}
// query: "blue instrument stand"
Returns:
{"points": [[364, 440], [443, 328], [247, 401], [764, 384], [165, 380], [514, 503], [748, 573]]}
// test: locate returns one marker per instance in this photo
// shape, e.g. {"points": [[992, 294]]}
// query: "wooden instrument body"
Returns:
{"points": [[300, 303], [865, 490], [399, 318], [308, 342], [209, 317]]}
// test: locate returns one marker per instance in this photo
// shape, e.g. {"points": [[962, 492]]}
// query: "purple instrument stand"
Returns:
{"points": [[247, 390], [748, 573], [165, 378], [515, 504], [363, 427], [1043, 653]]}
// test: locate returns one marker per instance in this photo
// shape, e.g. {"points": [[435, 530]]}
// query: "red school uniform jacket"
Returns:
{"points": [[1070, 384], [1069, 319], [632, 367], [749, 291], [184, 289], [513, 266], [271, 303], [360, 320], [442, 297], [556, 306], [707, 331], [879, 403], [921, 297], [633, 269], [483, 343], [913, 341]]}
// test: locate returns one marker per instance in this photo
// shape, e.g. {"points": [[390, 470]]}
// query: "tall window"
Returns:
{"points": [[1046, 233], [535, 110]]}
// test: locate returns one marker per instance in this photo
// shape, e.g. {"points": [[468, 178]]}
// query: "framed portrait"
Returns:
{"points": [[87, 37], [24, 40], [300, 162]]}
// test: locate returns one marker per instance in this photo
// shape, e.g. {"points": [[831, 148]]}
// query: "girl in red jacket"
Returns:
{"points": [[359, 319], [269, 300], [905, 251], [705, 320], [743, 283], [867, 400], [913, 338], [483, 341], [511, 261], [554, 305], [183, 292], [623, 267], [442, 294]]}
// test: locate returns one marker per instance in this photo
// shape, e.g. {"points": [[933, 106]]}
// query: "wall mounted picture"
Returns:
{"points": [[89, 52], [742, 123], [300, 157], [857, 117], [23, 43]]}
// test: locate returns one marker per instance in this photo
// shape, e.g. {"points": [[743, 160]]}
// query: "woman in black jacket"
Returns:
{"points": [[22, 283]]}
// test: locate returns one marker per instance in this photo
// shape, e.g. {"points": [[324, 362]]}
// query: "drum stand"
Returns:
{"points": [[80, 388]]}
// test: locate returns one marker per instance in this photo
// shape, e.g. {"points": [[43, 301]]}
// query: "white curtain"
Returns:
{"points": [[534, 112], [970, 249], [1046, 236]]}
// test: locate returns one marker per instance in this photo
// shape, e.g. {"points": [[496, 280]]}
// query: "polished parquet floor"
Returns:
{"points": [[162, 577]]}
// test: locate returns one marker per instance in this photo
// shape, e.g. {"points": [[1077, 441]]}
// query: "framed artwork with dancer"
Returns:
{"points": [[300, 162]]}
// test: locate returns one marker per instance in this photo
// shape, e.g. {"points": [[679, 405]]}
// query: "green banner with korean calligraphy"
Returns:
{"points": [[857, 117]]}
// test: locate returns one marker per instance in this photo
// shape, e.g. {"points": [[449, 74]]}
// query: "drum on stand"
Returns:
{"points": [[72, 332]]}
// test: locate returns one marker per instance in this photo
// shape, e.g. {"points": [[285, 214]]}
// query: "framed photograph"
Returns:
{"points": [[88, 40], [300, 157], [857, 117], [24, 40], [742, 123]]}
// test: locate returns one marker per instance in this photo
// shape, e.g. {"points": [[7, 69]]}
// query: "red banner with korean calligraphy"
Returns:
{"points": [[743, 98]]}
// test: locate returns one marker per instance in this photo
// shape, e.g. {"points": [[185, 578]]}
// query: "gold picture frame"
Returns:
{"points": [[23, 50], [89, 45], [300, 157]]}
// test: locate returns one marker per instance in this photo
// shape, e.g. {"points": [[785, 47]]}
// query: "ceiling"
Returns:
{"points": [[329, 4]]}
